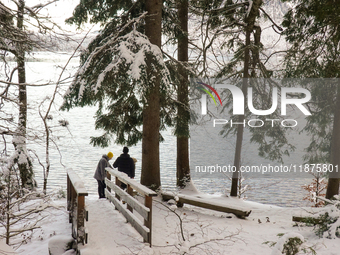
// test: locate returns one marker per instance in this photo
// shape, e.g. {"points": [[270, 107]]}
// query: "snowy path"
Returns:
{"points": [[205, 231], [188, 230], [108, 231]]}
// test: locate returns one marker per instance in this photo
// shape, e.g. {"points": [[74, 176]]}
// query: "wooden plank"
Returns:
{"points": [[241, 213], [77, 183], [134, 221], [135, 204], [135, 185]]}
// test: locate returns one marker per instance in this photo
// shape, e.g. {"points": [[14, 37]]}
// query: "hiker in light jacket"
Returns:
{"points": [[100, 174]]}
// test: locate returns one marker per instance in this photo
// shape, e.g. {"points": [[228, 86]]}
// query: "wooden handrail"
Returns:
{"points": [[145, 211], [123, 177], [77, 183], [76, 193]]}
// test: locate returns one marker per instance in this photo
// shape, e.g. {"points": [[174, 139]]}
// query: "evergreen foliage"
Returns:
{"points": [[120, 103], [312, 29], [105, 11], [113, 76], [327, 221]]}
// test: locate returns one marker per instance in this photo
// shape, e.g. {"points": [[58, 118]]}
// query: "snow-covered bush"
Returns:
{"points": [[20, 208], [290, 244], [61, 193], [58, 245], [329, 219]]}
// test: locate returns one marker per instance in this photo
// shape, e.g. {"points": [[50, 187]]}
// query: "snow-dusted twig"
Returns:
{"points": [[178, 216], [224, 238]]}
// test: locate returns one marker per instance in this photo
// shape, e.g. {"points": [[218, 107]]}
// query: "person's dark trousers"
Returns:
{"points": [[101, 189]]}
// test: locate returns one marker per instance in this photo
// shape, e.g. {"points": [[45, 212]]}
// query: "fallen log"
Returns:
{"points": [[212, 205]]}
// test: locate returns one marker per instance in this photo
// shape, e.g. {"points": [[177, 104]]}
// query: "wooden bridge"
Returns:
{"points": [[124, 202], [97, 221], [144, 229]]}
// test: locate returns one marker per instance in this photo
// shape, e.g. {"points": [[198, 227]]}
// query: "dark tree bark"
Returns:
{"points": [[333, 181], [183, 115], [150, 175], [250, 21], [25, 168]]}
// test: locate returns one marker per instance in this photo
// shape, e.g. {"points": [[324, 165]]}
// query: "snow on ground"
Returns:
{"points": [[204, 231], [108, 231], [5, 249], [54, 225]]}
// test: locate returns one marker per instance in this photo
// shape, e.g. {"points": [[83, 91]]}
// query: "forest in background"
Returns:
{"points": [[150, 49]]}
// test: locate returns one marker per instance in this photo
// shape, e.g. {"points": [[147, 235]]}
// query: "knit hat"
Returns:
{"points": [[110, 155], [125, 149]]}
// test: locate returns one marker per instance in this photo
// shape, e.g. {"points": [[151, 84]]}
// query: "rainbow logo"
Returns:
{"points": [[207, 91]]}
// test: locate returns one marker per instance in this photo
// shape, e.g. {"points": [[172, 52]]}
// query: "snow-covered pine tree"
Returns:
{"points": [[113, 77], [123, 72]]}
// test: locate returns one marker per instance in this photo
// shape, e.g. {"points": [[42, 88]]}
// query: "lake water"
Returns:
{"points": [[74, 150]]}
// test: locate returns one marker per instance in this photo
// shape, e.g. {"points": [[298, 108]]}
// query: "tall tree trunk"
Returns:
{"points": [[250, 21], [23, 160], [150, 175], [183, 115], [334, 178], [8, 207], [240, 127]]}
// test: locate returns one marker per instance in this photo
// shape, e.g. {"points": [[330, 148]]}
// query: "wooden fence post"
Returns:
{"points": [[69, 199], [130, 192], [68, 193], [108, 176], [76, 193], [81, 219], [148, 222], [118, 183]]}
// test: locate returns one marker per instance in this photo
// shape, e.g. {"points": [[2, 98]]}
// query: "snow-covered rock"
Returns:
{"points": [[61, 245]]}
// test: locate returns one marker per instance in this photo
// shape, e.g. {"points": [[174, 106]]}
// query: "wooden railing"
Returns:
{"points": [[144, 210], [76, 193]]}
